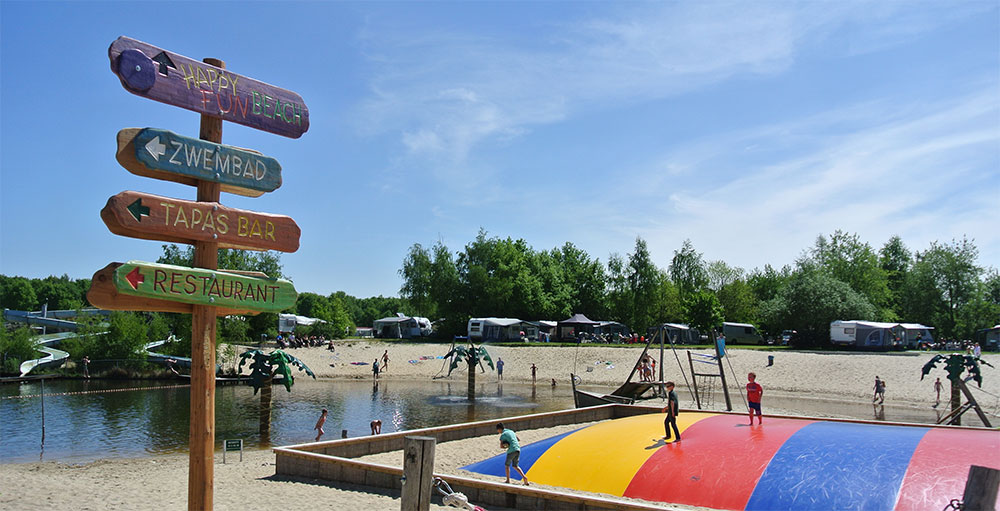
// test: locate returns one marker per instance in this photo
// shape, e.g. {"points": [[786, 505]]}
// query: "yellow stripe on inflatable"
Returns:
{"points": [[586, 460]]}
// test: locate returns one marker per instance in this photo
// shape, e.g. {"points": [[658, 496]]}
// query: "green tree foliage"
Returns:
{"points": [[738, 302], [267, 262], [416, 274], [17, 293], [703, 311], [584, 280], [767, 283], [895, 260], [846, 258], [945, 279], [16, 346], [687, 270], [330, 309], [810, 301], [127, 334], [645, 282], [60, 293]]}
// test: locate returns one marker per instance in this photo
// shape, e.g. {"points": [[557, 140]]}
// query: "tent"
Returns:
{"points": [[864, 334], [610, 328], [912, 334], [507, 329], [679, 333], [570, 328], [402, 327]]}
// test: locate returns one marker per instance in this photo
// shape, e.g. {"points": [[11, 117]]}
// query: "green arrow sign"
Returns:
{"points": [[138, 210], [203, 287]]}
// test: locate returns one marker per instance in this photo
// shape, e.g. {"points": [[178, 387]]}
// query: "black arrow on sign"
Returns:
{"points": [[138, 210], [164, 60]]}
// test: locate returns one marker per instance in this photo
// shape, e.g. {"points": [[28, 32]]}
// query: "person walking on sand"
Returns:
{"points": [[937, 390], [672, 408], [508, 440], [385, 361], [754, 393], [500, 369], [319, 425], [879, 391], [534, 371]]}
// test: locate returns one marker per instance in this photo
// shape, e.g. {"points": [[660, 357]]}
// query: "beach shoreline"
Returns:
{"points": [[160, 481]]}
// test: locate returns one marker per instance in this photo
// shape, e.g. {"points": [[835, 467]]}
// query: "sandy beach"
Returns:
{"points": [[160, 482], [847, 376]]}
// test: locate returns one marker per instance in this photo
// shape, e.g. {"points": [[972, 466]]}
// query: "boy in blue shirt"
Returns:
{"points": [[508, 440]]}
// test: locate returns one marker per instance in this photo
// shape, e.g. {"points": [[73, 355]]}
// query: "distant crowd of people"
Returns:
{"points": [[291, 341]]}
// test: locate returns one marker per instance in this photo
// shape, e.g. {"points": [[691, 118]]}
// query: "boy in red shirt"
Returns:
{"points": [[754, 392]]}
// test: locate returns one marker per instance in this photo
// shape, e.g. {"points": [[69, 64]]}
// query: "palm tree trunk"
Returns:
{"points": [[265, 411]]}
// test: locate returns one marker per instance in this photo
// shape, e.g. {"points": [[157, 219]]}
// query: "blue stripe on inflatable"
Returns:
{"points": [[837, 465], [529, 455]]}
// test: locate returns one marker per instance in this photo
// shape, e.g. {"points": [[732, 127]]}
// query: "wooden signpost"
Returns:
{"points": [[161, 154], [217, 94], [104, 295], [199, 286], [167, 77], [151, 217]]}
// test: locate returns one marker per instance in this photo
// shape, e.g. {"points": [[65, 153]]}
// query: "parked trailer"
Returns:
{"points": [[866, 334]]}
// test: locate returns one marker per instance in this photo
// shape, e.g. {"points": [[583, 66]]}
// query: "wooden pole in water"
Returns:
{"points": [[472, 374], [43, 412], [201, 437]]}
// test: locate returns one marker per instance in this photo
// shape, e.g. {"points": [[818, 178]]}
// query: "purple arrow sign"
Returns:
{"points": [[160, 75]]}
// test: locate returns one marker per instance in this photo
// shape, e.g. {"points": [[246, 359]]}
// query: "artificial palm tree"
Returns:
{"points": [[263, 368]]}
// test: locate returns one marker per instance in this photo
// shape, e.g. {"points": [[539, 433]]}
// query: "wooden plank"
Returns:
{"points": [[152, 217], [200, 286], [418, 473], [164, 155], [167, 77], [104, 295]]}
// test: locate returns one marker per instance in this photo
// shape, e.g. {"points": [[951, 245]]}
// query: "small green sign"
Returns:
{"points": [[200, 286], [234, 445]]}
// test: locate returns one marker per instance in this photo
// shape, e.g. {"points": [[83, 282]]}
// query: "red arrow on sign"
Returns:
{"points": [[135, 278]]}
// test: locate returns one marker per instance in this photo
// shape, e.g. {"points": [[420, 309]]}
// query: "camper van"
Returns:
{"points": [[741, 333]]}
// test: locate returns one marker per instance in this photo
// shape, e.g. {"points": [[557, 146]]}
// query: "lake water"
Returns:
{"points": [[104, 418]]}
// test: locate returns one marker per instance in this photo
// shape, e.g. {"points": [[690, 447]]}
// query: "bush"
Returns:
{"points": [[15, 347]]}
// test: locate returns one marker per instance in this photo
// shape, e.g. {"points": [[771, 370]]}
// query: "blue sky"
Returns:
{"points": [[748, 127]]}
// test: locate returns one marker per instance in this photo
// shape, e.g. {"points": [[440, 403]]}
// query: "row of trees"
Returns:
{"points": [[121, 335], [839, 277]]}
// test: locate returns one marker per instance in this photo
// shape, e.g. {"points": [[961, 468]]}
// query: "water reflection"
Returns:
{"points": [[121, 423]]}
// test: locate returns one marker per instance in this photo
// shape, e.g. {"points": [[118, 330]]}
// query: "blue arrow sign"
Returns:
{"points": [[162, 154]]}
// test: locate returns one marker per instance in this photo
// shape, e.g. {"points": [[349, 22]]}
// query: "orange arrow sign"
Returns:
{"points": [[182, 221]]}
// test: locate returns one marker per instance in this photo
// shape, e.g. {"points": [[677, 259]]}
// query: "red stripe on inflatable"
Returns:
{"points": [[717, 464], [940, 465]]}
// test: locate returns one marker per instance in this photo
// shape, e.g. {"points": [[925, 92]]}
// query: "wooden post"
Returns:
{"points": [[418, 473], [956, 400], [694, 379], [722, 374], [981, 489], [201, 438], [472, 376]]}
